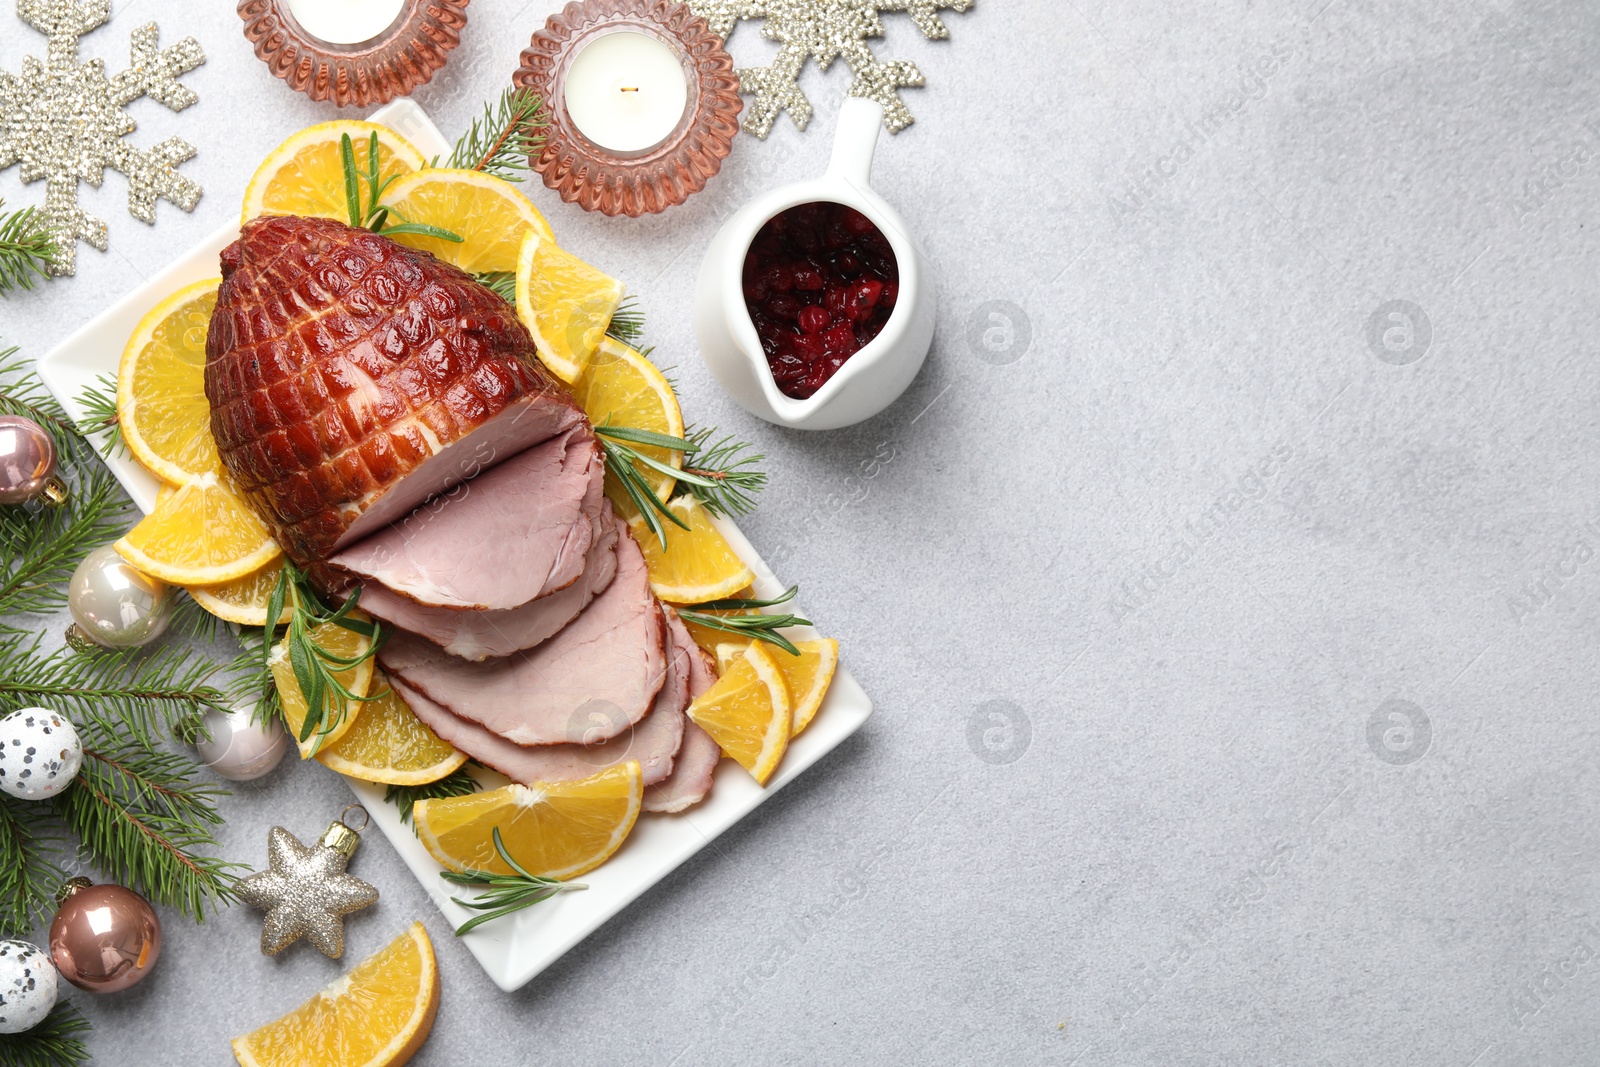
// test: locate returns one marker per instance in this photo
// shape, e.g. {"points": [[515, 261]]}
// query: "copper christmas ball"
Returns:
{"points": [[104, 938]]}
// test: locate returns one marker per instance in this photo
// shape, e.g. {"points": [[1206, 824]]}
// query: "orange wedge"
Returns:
{"points": [[748, 712], [337, 641], [388, 744], [489, 214], [161, 396], [203, 534], [377, 1015], [807, 676], [243, 600], [620, 386], [565, 304], [697, 564], [305, 174], [554, 829]]}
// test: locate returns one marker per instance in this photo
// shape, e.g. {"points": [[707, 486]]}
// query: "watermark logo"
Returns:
{"points": [[999, 732], [1399, 332], [1399, 733], [999, 332]]}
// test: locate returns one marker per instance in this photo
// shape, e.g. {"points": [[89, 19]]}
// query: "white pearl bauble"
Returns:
{"points": [[28, 986], [39, 753], [238, 748], [115, 604]]}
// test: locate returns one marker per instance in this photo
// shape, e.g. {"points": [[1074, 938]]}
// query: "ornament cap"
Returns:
{"points": [[79, 641], [54, 494], [341, 838], [70, 886]]}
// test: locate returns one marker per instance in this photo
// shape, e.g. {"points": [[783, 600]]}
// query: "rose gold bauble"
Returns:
{"points": [[104, 938]]}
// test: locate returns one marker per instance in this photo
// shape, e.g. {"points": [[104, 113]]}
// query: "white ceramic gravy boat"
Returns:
{"points": [[880, 371]]}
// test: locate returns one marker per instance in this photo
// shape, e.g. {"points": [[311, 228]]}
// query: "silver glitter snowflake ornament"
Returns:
{"points": [[305, 891], [63, 120], [825, 30]]}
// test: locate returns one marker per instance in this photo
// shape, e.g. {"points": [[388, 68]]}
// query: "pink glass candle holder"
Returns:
{"points": [[628, 155], [401, 53]]}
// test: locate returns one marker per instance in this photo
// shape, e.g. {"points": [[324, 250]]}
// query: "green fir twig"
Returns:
{"points": [[504, 893], [720, 475], [502, 283], [504, 141], [457, 783], [26, 248], [56, 1042], [627, 323], [99, 403], [747, 621], [29, 875]]}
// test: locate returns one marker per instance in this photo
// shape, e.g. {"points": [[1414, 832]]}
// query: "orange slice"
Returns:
{"points": [[554, 829], [203, 534], [243, 600], [490, 215], [377, 1015], [161, 396], [388, 744], [807, 676], [697, 564], [620, 386], [565, 304], [305, 174], [748, 712], [337, 641]]}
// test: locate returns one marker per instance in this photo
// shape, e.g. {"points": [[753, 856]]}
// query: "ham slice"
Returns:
{"points": [[351, 378], [696, 762], [479, 635], [606, 665], [653, 741], [517, 532]]}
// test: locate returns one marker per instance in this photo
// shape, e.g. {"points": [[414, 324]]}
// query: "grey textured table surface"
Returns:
{"points": [[1136, 572]]}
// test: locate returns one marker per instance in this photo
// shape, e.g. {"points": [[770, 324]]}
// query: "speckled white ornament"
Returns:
{"points": [[39, 753], [28, 986]]}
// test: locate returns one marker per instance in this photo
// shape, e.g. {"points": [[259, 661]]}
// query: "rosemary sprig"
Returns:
{"points": [[457, 783], [99, 403], [761, 627], [720, 475], [315, 668], [504, 893], [26, 248], [371, 213], [506, 138]]}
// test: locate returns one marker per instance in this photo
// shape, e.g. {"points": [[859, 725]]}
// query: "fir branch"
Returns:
{"points": [[191, 620], [26, 248], [137, 696], [723, 475], [745, 621], [99, 402], [458, 783], [144, 820], [253, 685], [53, 1043], [502, 283], [504, 893], [627, 323], [504, 141], [28, 874]]}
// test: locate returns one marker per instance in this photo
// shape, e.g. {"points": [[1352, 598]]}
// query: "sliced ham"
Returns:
{"points": [[519, 531], [653, 741], [608, 664], [479, 635], [696, 762]]}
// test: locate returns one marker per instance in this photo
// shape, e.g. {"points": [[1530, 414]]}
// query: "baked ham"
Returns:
{"points": [[590, 682], [517, 532], [698, 755], [351, 378], [480, 635], [653, 740]]}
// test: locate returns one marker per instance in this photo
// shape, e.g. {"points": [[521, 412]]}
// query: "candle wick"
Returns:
{"points": [[630, 88]]}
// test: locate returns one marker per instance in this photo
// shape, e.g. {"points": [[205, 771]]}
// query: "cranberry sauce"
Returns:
{"points": [[820, 281]]}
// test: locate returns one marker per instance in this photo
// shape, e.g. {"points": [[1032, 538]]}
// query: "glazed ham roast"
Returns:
{"points": [[389, 419]]}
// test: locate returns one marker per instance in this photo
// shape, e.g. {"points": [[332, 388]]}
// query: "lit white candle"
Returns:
{"points": [[345, 21], [626, 91]]}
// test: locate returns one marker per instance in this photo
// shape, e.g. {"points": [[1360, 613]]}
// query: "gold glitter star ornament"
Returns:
{"points": [[305, 891]]}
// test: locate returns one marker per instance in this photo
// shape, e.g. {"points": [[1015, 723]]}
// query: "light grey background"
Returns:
{"points": [[1133, 571]]}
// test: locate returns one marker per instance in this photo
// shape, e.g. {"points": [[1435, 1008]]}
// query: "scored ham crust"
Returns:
{"points": [[342, 367]]}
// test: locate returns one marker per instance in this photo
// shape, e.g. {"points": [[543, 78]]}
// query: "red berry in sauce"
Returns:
{"points": [[820, 282]]}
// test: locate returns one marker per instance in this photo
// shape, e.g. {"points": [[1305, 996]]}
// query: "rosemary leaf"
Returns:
{"points": [[503, 893], [746, 623]]}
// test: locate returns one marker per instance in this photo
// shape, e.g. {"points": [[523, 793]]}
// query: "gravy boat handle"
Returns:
{"points": [[854, 141]]}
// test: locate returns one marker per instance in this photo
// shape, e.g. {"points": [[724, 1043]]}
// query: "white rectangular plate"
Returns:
{"points": [[516, 948]]}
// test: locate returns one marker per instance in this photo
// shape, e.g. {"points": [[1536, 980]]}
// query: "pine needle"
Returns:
{"points": [[26, 248], [502, 283], [29, 875], [53, 1043], [457, 783], [99, 402], [627, 323], [504, 141]]}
